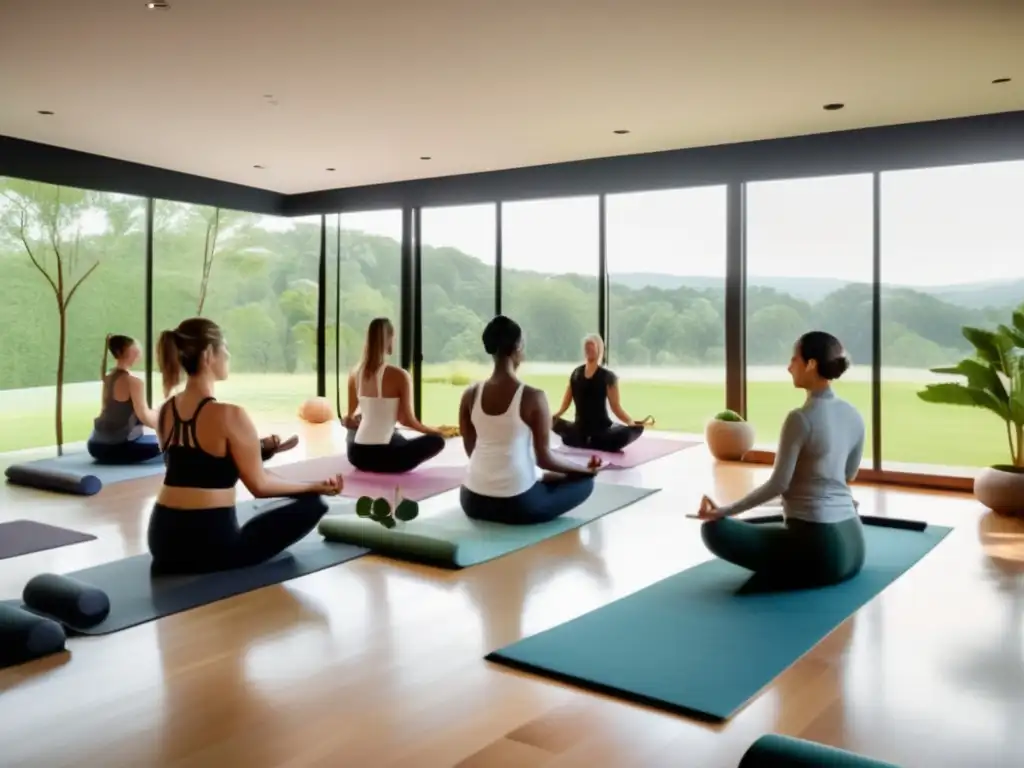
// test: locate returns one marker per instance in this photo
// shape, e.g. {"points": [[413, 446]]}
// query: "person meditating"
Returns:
{"points": [[591, 389], [382, 394], [117, 433], [506, 428], [207, 447], [821, 540]]}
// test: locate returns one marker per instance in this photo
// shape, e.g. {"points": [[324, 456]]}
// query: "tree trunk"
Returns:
{"points": [[61, 343], [1020, 445]]}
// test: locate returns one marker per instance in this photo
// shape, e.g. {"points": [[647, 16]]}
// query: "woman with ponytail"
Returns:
{"points": [[380, 398], [117, 435], [208, 446]]}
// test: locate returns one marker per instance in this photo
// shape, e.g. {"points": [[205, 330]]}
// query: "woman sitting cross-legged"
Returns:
{"points": [[117, 433], [821, 540], [208, 446], [591, 389], [382, 393], [506, 428]]}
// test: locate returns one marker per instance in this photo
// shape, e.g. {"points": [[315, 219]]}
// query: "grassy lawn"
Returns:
{"points": [[913, 431]]}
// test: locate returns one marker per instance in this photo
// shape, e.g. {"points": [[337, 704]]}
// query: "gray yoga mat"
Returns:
{"points": [[451, 540], [22, 537], [136, 597]]}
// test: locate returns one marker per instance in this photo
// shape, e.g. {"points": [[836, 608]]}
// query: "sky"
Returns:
{"points": [[942, 226]]}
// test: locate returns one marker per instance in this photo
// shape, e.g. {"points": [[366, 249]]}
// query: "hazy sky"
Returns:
{"points": [[939, 226]]}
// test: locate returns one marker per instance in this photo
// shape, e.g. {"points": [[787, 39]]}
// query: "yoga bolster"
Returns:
{"points": [[53, 480], [66, 599], [776, 751], [881, 522], [25, 636]]}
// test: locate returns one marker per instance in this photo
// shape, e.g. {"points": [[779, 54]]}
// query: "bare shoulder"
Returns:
{"points": [[534, 396], [468, 394]]}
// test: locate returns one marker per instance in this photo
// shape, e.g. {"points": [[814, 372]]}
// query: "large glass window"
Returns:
{"points": [[809, 267], [332, 354], [952, 256], [666, 268], [81, 250], [256, 276], [457, 276], [549, 284]]}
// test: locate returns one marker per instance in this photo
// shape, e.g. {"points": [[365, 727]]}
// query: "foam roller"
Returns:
{"points": [[25, 636], [775, 751], [68, 600]]}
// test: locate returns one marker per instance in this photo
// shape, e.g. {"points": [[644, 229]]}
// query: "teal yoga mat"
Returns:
{"points": [[78, 473], [449, 539], [777, 751], [705, 641]]}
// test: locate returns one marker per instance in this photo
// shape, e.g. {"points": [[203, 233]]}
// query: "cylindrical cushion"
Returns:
{"points": [[25, 636], [775, 751], [67, 600]]}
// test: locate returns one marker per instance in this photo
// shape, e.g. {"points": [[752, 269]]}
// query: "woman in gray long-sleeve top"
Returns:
{"points": [[821, 540]]}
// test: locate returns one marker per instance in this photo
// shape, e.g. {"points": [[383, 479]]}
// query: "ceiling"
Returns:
{"points": [[368, 87]]}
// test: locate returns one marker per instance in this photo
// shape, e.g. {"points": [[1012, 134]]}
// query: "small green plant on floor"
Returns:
{"points": [[994, 381], [380, 510], [728, 416]]}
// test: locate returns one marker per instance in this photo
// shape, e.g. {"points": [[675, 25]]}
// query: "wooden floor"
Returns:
{"points": [[375, 663]]}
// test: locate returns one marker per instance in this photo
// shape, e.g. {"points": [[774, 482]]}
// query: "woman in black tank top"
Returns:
{"points": [[208, 446], [591, 389], [117, 436]]}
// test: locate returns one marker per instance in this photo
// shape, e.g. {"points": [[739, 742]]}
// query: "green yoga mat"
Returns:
{"points": [[449, 539], [707, 640], [777, 751]]}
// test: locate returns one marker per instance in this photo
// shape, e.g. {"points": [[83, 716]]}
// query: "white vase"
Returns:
{"points": [[1001, 489], [729, 440]]}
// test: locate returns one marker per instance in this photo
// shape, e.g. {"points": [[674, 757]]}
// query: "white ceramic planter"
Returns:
{"points": [[729, 440], [1001, 490]]}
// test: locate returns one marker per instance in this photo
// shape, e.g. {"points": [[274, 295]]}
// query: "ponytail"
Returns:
{"points": [[106, 349], [168, 360]]}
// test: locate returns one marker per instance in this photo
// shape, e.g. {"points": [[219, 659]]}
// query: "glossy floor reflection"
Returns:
{"points": [[377, 663]]}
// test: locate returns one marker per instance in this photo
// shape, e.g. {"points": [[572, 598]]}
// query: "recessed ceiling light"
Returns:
{"points": [[259, 167], [999, 80], [332, 169], [621, 131], [425, 157], [45, 112], [833, 106], [158, 5]]}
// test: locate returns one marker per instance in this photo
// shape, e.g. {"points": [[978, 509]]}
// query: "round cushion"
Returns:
{"points": [[316, 410]]}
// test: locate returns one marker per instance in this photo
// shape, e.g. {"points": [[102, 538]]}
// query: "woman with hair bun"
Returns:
{"points": [[506, 429], [117, 436], [821, 540]]}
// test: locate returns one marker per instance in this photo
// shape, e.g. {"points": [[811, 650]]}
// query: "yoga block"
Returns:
{"points": [[25, 636], [66, 599]]}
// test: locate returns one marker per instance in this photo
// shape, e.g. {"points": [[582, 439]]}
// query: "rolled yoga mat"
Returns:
{"points": [[26, 637], [642, 451], [449, 539], [702, 643], [78, 473], [137, 597], [21, 537], [777, 751], [422, 483]]}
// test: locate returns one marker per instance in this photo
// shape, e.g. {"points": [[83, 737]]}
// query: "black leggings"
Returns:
{"points": [[611, 439], [129, 452], [546, 500], [206, 540], [394, 458], [792, 554]]}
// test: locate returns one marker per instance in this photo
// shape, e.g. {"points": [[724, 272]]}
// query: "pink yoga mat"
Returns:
{"points": [[642, 451], [421, 483]]}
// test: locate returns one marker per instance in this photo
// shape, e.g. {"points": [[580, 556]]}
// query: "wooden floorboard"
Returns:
{"points": [[379, 664]]}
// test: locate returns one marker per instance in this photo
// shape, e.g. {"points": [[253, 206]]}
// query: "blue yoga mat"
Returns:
{"points": [[449, 539], [696, 644], [78, 473]]}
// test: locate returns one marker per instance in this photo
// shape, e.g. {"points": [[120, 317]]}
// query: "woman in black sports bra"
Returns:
{"points": [[208, 446]]}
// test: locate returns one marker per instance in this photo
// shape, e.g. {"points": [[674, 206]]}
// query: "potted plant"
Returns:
{"points": [[729, 436], [381, 511], [994, 381]]}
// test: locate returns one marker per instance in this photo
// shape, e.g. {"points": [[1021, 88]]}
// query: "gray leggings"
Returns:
{"points": [[792, 554]]}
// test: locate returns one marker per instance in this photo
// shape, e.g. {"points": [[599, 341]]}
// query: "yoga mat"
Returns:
{"points": [[642, 451], [78, 473], [422, 483], [885, 522], [777, 751], [449, 539], [21, 537], [137, 597], [702, 643]]}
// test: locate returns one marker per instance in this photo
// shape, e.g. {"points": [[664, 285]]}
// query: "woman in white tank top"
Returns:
{"points": [[506, 428], [380, 398]]}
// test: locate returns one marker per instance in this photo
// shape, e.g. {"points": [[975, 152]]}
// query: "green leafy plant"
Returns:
{"points": [[994, 381], [380, 510], [728, 416]]}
